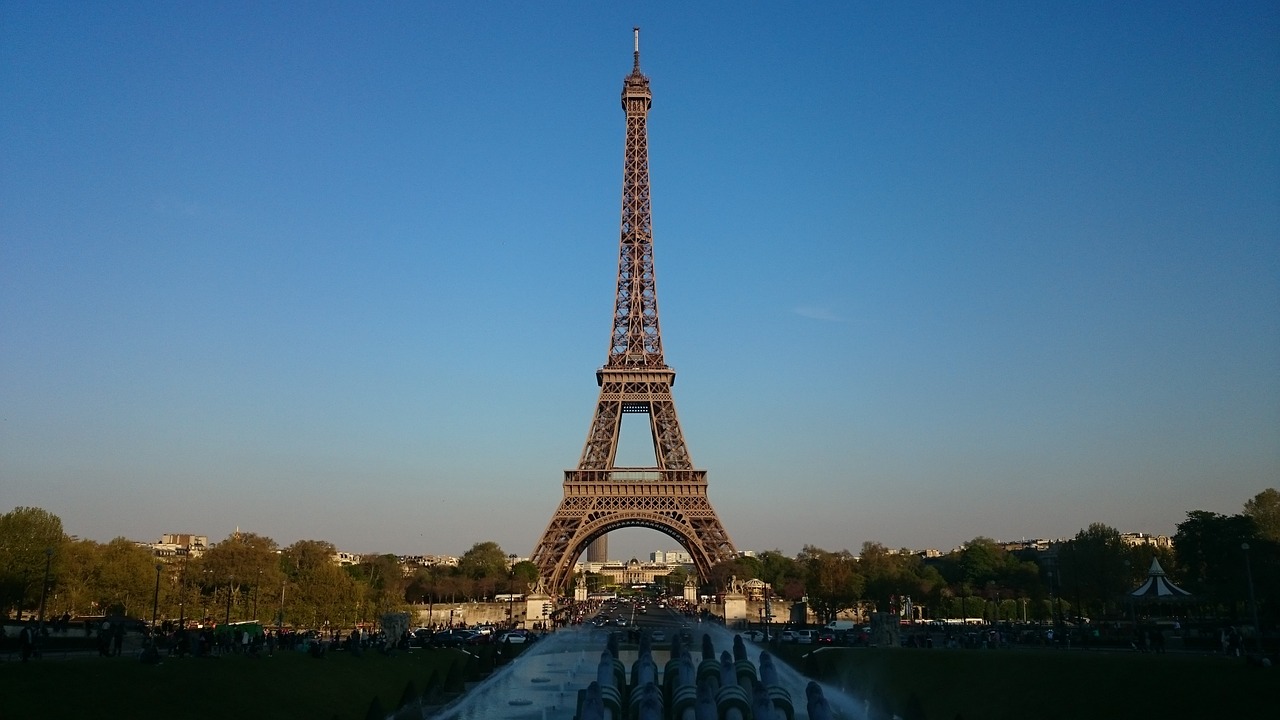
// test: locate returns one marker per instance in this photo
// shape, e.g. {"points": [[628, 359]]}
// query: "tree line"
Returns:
{"points": [[249, 576], [1089, 575]]}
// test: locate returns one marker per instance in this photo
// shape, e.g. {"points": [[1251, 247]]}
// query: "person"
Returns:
{"points": [[27, 639]]}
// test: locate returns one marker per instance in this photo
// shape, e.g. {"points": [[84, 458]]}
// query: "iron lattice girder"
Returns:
{"points": [[635, 391], [594, 507], [598, 496], [636, 339]]}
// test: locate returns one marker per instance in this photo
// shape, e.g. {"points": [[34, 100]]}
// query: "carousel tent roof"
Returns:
{"points": [[1158, 586]]}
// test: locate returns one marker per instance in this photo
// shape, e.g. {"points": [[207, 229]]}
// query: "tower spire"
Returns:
{"points": [[635, 68]]}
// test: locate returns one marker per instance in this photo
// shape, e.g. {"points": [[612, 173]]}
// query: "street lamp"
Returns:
{"points": [[511, 591], [44, 588], [255, 596], [231, 584], [155, 599], [280, 617], [182, 599], [1253, 604]]}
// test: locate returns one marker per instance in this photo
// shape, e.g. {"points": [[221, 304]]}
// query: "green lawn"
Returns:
{"points": [[287, 685], [915, 684], [1045, 684]]}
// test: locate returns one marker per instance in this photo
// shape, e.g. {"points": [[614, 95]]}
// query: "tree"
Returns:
{"points": [[981, 561], [242, 565], [1264, 510], [742, 568], [124, 577], [1210, 558], [894, 575], [785, 575], [381, 582], [674, 580], [318, 592], [484, 561], [833, 581], [525, 572], [31, 539], [77, 582], [1096, 567]]}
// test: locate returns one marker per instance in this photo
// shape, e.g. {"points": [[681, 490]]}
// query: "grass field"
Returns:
{"points": [[913, 684], [287, 685], [1045, 684]]}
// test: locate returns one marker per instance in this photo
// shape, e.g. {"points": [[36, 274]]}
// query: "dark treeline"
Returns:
{"points": [[248, 576]]}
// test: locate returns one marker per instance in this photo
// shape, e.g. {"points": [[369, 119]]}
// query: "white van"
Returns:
{"points": [[837, 626]]}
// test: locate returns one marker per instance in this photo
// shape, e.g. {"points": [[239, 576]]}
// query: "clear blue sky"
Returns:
{"points": [[927, 271]]}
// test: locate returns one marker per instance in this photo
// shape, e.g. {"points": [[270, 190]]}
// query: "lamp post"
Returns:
{"points": [[44, 588], [768, 610], [255, 596], [1253, 605], [280, 617], [182, 598], [511, 590], [155, 599], [231, 584]]}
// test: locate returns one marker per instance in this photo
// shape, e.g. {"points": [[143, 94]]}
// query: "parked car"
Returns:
{"points": [[514, 637], [658, 636], [789, 636], [826, 638], [754, 635], [453, 638], [806, 637]]}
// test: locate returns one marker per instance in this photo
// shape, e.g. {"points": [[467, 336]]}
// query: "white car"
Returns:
{"points": [[514, 637], [754, 635], [789, 636]]}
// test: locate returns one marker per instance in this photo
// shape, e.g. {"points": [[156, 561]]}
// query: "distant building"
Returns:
{"points": [[179, 545], [634, 572], [670, 557], [1137, 539], [345, 558], [598, 550]]}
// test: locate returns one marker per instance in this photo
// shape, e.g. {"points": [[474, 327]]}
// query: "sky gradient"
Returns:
{"points": [[926, 271]]}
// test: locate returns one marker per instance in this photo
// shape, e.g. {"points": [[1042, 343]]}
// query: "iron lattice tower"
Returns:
{"points": [[598, 496]]}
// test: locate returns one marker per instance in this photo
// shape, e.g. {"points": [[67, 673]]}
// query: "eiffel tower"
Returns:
{"points": [[600, 497]]}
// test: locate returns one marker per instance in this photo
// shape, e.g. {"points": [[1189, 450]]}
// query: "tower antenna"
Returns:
{"points": [[636, 66]]}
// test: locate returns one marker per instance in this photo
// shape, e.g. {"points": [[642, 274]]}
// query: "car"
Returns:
{"points": [[806, 637], [826, 638], [754, 635], [789, 636], [658, 636], [451, 638], [514, 637]]}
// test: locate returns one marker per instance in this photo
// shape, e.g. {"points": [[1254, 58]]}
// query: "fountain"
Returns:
{"points": [[565, 676]]}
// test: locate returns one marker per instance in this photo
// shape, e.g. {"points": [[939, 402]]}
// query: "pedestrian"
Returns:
{"points": [[27, 639]]}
